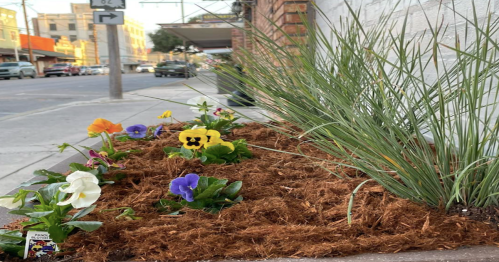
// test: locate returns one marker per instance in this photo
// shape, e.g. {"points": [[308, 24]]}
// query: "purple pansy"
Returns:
{"points": [[137, 131], [102, 156], [158, 131], [184, 185]]}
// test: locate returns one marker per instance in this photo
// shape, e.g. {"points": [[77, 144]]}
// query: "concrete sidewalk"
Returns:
{"points": [[29, 140]]}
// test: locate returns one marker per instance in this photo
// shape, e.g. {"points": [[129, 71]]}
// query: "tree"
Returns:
{"points": [[164, 41]]}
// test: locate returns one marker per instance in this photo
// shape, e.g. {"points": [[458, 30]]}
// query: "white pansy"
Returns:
{"points": [[199, 101], [8, 202], [84, 188]]}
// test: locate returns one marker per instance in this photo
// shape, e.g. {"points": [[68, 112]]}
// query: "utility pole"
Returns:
{"points": [[30, 50], [96, 46], [115, 84]]}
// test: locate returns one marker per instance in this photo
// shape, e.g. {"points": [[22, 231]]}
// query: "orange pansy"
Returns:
{"points": [[102, 125]]}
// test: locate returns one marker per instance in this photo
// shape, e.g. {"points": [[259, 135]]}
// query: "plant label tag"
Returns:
{"points": [[38, 243]]}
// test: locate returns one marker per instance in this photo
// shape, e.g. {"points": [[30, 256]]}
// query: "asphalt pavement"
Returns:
{"points": [[24, 95]]}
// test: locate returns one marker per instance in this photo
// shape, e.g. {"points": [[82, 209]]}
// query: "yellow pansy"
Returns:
{"points": [[166, 114], [193, 139], [218, 141]]}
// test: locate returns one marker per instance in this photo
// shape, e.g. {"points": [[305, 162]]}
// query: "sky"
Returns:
{"points": [[149, 14]]}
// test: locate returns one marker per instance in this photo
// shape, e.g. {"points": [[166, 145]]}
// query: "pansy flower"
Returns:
{"points": [[202, 104], [184, 185], [218, 141], [158, 131], [103, 156], [224, 114], [137, 131], [166, 114], [102, 125], [193, 139], [213, 136]]}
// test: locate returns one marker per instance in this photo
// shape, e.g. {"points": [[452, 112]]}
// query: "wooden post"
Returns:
{"points": [[96, 46], [30, 50], [115, 85]]}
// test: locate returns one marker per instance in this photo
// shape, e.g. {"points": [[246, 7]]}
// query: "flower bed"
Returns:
{"points": [[291, 208]]}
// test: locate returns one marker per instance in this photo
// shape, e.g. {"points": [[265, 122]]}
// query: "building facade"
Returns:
{"points": [[9, 35], [78, 26], [267, 17]]}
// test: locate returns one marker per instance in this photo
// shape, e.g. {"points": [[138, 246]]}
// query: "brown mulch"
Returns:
{"points": [[291, 208]]}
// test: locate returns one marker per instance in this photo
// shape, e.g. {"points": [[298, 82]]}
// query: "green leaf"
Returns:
{"points": [[88, 226], [49, 191], [220, 124], [78, 167], [83, 212], [203, 158], [186, 152], [199, 204], [21, 212], [57, 233], [170, 149], [206, 119], [202, 183], [217, 150], [118, 155], [39, 214], [52, 177], [13, 250], [209, 192], [122, 138], [232, 190], [11, 237]]}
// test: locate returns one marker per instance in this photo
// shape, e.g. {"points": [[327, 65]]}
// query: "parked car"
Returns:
{"points": [[60, 69], [99, 70], [174, 68], [17, 69], [145, 69], [85, 70]]}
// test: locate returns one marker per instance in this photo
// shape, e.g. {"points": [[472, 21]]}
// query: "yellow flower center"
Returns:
{"points": [[103, 153], [82, 195], [136, 132]]}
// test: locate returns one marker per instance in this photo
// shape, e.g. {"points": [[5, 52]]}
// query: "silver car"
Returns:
{"points": [[85, 70], [17, 69], [99, 70]]}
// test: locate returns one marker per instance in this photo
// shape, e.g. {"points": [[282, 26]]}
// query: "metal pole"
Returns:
{"points": [[15, 51], [96, 47], [115, 85], [183, 17], [30, 50]]}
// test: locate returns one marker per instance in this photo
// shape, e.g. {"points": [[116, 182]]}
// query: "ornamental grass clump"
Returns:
{"points": [[414, 114]]}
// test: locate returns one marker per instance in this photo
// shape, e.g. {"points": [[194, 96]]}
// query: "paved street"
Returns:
{"points": [[25, 95]]}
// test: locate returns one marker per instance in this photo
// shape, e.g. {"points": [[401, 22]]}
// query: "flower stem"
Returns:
{"points": [[109, 142], [79, 152]]}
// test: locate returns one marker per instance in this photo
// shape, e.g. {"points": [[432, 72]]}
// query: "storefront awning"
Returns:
{"points": [[8, 51], [53, 54], [204, 35]]}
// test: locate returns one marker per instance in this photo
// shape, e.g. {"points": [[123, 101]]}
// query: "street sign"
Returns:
{"points": [[107, 4], [109, 17]]}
